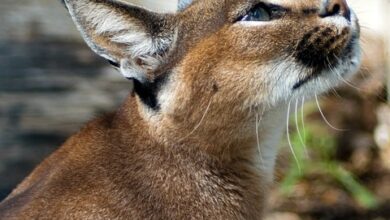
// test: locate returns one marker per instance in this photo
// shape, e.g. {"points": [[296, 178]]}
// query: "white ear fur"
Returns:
{"points": [[183, 4], [132, 70], [120, 33]]}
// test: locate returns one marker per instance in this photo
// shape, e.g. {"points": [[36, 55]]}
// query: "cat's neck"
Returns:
{"points": [[256, 142]]}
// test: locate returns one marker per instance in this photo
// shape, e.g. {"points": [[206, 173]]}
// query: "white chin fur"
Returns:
{"points": [[286, 73]]}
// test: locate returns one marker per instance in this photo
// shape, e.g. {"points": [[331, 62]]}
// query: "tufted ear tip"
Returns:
{"points": [[183, 4]]}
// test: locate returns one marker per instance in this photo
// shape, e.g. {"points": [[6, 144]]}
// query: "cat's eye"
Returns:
{"points": [[258, 13]]}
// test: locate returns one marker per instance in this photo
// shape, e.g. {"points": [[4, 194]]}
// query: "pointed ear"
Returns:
{"points": [[133, 38]]}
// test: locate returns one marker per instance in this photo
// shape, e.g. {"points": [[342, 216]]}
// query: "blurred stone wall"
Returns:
{"points": [[23, 19], [50, 83]]}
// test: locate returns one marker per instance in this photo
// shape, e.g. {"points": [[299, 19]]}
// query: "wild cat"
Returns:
{"points": [[197, 136]]}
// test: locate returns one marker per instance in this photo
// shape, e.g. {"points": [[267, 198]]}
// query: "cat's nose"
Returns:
{"points": [[335, 8]]}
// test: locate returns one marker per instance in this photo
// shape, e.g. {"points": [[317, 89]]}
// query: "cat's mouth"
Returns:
{"points": [[332, 64], [326, 50]]}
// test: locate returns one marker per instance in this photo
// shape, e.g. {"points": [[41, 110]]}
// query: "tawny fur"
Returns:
{"points": [[194, 154]]}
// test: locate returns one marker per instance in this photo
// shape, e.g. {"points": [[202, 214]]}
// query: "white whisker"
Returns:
{"points": [[347, 82], [303, 117], [298, 130], [340, 76], [200, 122], [258, 141], [323, 116], [289, 140]]}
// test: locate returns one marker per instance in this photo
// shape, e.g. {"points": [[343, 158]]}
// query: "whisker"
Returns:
{"points": [[258, 141], [303, 117], [340, 76], [298, 130], [323, 116], [289, 140], [366, 28], [348, 83], [200, 122]]}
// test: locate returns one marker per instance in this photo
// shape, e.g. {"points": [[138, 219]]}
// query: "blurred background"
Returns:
{"points": [[51, 84]]}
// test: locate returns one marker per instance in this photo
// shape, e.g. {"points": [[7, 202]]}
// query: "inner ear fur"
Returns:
{"points": [[124, 33]]}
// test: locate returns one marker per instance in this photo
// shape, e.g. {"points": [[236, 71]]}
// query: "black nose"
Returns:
{"points": [[335, 8]]}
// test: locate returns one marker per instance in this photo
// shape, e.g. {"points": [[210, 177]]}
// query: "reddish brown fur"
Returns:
{"points": [[97, 175], [194, 158]]}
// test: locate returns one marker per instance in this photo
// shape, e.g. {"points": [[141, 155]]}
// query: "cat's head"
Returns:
{"points": [[223, 56]]}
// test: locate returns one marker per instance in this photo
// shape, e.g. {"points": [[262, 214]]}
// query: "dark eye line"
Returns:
{"points": [[275, 11], [247, 11]]}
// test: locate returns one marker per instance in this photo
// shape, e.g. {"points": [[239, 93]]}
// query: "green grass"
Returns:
{"points": [[316, 139]]}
